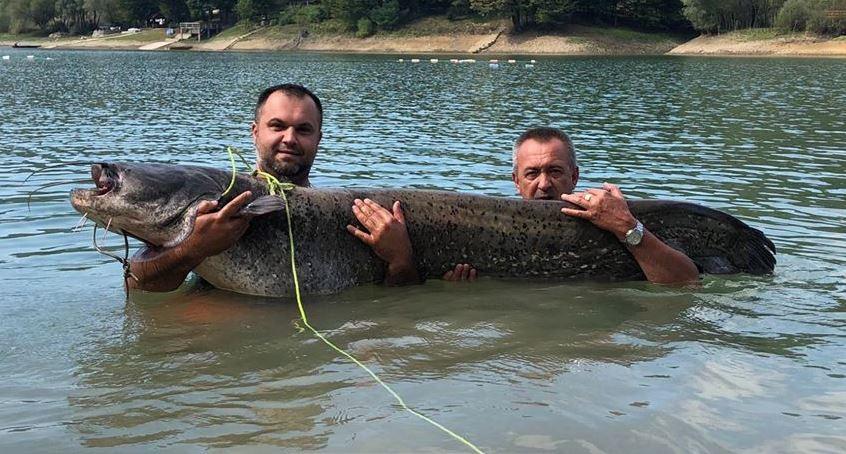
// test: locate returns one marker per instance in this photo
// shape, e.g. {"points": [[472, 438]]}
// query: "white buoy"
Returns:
{"points": [[512, 61], [6, 57], [415, 60], [494, 65], [400, 60], [468, 60], [433, 60], [30, 57], [453, 60], [529, 65], [494, 61], [532, 61]]}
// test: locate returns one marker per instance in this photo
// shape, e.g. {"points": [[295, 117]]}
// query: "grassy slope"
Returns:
{"points": [[234, 31], [146, 35], [440, 25], [761, 34]]}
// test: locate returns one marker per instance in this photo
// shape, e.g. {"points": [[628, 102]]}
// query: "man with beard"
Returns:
{"points": [[286, 132]]}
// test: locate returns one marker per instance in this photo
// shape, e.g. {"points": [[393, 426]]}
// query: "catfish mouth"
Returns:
{"points": [[105, 178]]}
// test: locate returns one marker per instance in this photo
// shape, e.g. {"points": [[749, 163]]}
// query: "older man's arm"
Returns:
{"points": [[607, 209], [164, 270]]}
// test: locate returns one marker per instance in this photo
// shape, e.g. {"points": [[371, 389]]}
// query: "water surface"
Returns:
{"points": [[742, 364]]}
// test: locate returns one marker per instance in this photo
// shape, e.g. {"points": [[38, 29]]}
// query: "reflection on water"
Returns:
{"points": [[742, 363], [240, 365]]}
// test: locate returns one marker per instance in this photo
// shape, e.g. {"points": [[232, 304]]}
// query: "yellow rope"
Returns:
{"points": [[230, 150], [276, 187]]}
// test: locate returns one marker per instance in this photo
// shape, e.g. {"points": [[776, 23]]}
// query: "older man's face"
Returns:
{"points": [[286, 136], [544, 171]]}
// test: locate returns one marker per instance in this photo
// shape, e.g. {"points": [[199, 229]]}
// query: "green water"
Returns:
{"points": [[742, 364]]}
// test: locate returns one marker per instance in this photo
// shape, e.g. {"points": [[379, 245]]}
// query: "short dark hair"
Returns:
{"points": [[295, 90], [543, 135]]}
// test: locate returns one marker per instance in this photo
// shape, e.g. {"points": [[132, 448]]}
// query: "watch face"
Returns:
{"points": [[634, 235]]}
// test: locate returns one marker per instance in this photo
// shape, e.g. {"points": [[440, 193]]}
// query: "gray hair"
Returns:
{"points": [[543, 135]]}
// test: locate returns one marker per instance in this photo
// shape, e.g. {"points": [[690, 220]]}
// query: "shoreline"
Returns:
{"points": [[580, 41], [754, 43]]}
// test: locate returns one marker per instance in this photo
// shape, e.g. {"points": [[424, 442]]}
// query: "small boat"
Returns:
{"points": [[19, 45]]}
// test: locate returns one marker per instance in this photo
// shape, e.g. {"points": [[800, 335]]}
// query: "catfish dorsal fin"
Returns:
{"points": [[263, 205]]}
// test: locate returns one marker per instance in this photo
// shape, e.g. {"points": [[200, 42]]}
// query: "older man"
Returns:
{"points": [[545, 168]]}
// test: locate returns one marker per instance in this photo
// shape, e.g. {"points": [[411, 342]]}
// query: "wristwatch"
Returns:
{"points": [[635, 235]]}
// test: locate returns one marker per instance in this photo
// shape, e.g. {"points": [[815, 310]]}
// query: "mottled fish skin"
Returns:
{"points": [[500, 237]]}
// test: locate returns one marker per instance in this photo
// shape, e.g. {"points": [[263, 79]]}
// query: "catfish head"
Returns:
{"points": [[155, 203]]}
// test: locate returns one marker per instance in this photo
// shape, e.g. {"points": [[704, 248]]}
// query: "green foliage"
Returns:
{"points": [[553, 12], [365, 17], [349, 11], [811, 16], [458, 9], [254, 10], [175, 10], [364, 28], [650, 14], [136, 12], [41, 12], [246, 10], [387, 15], [302, 15], [726, 15], [794, 15]]}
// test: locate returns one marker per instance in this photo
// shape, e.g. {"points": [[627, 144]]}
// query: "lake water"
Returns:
{"points": [[743, 364]]}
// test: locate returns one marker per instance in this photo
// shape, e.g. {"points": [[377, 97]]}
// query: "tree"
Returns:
{"points": [[252, 10], [725, 15], [349, 11], [41, 12], [387, 15], [175, 10], [526, 13], [136, 12]]}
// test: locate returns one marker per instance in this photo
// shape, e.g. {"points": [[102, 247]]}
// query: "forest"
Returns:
{"points": [[367, 17]]}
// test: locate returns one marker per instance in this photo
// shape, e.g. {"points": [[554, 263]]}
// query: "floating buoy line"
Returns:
{"points": [[278, 188], [493, 63], [27, 57]]}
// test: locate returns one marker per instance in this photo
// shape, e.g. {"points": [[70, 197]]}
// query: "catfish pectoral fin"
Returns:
{"points": [[263, 205]]}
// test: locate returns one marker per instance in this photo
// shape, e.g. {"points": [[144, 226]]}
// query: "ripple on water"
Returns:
{"points": [[743, 363]]}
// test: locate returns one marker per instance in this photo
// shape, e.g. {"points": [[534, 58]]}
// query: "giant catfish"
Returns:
{"points": [[501, 237]]}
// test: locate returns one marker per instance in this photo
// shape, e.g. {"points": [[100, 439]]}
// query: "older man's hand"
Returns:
{"points": [[606, 208]]}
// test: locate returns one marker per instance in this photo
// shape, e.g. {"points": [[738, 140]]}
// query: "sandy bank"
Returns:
{"points": [[442, 37], [742, 44], [578, 41], [377, 44]]}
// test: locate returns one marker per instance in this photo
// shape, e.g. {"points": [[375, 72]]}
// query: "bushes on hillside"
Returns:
{"points": [[816, 16], [364, 28], [386, 16], [302, 15], [717, 16]]}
